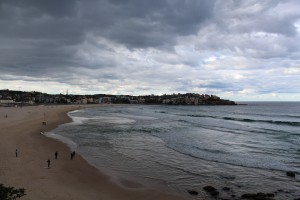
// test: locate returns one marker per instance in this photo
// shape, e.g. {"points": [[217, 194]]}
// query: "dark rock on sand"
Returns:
{"points": [[211, 190], [258, 196], [214, 193], [291, 174], [193, 192], [270, 195], [226, 188]]}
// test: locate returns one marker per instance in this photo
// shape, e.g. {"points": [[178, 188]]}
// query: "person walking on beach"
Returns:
{"points": [[56, 154], [16, 153], [72, 155], [48, 162]]}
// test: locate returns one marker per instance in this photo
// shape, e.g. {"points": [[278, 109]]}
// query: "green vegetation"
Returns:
{"points": [[20, 98], [11, 193]]}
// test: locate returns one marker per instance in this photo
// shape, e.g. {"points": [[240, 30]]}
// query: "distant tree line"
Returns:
{"points": [[10, 96]]}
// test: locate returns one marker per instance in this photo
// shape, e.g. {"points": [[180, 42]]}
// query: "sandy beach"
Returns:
{"points": [[66, 179]]}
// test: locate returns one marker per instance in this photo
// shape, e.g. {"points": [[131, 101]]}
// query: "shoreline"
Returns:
{"points": [[66, 179]]}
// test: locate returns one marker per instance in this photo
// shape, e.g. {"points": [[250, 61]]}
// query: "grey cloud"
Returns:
{"points": [[120, 21], [255, 15], [253, 28], [36, 8], [150, 45], [37, 59], [145, 24], [48, 33]]}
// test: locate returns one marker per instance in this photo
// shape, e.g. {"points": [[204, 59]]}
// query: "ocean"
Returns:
{"points": [[247, 148]]}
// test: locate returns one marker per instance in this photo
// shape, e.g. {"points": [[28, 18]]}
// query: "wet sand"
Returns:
{"points": [[66, 179]]}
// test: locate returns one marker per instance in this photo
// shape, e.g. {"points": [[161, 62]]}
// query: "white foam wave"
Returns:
{"points": [[71, 144], [112, 120]]}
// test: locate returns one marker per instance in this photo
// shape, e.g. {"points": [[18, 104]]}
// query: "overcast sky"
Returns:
{"points": [[236, 49]]}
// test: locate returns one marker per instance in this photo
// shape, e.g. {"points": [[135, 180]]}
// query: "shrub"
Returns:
{"points": [[11, 193]]}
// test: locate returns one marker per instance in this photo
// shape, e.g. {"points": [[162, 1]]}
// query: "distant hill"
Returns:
{"points": [[10, 97]]}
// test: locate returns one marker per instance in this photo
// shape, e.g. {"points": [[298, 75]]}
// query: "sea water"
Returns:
{"points": [[248, 148]]}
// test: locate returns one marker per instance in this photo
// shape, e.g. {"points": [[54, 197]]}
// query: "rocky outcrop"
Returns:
{"points": [[226, 188], [211, 190], [193, 192], [258, 196], [291, 174]]}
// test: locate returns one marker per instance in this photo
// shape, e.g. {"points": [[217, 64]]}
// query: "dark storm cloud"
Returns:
{"points": [[159, 45], [142, 24], [18, 9], [40, 23], [121, 21], [42, 36]]}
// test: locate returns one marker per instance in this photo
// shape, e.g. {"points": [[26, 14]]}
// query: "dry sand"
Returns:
{"points": [[66, 179]]}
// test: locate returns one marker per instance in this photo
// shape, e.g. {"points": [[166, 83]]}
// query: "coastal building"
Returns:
{"points": [[100, 100], [6, 101], [84, 100], [90, 100]]}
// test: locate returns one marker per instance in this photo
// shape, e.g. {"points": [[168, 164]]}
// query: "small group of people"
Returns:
{"points": [[56, 156], [49, 161]]}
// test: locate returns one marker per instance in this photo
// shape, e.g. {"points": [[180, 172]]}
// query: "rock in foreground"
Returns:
{"points": [[258, 196], [211, 190], [290, 174], [193, 192]]}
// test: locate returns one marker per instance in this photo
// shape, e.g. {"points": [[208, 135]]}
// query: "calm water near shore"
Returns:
{"points": [[247, 148]]}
